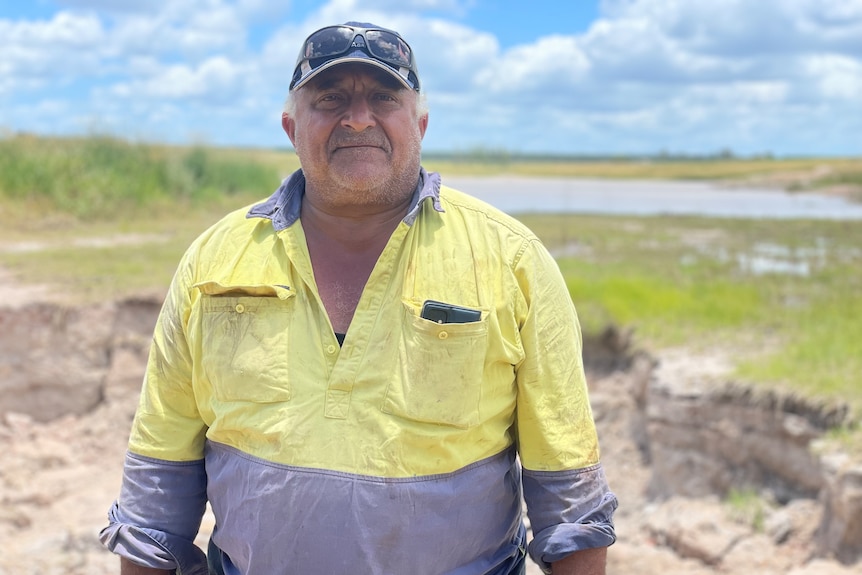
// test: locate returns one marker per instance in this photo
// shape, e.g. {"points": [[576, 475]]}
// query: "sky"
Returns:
{"points": [[619, 77]]}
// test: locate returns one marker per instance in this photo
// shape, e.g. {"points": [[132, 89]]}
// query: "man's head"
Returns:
{"points": [[356, 116], [358, 42]]}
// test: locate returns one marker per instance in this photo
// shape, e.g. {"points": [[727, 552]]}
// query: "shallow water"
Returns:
{"points": [[642, 197]]}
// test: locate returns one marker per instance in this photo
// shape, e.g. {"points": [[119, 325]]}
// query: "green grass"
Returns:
{"points": [[100, 177], [691, 281], [748, 507]]}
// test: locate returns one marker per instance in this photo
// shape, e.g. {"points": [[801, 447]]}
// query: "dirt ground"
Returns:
{"points": [[58, 479]]}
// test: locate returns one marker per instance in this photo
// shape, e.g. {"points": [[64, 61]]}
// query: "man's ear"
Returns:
{"points": [[289, 126], [423, 124]]}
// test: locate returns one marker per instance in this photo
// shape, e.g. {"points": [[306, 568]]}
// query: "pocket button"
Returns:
{"points": [[443, 335], [239, 308]]}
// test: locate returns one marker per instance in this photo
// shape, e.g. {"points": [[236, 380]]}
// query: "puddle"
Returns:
{"points": [[571, 249], [769, 258], [515, 194], [762, 265]]}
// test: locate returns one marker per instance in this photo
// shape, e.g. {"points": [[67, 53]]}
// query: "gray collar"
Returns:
{"points": [[283, 206]]}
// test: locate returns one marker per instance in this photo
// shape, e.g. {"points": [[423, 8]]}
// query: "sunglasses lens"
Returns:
{"points": [[333, 41], [328, 42], [388, 47]]}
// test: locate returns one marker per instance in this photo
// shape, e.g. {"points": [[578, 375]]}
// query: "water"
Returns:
{"points": [[642, 198]]}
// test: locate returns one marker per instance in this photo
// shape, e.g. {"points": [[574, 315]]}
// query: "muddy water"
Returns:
{"points": [[642, 198]]}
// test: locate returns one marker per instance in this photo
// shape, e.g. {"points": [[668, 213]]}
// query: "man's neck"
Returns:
{"points": [[344, 250], [353, 227]]}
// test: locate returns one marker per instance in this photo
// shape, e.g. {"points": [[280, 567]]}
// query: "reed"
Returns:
{"points": [[101, 177]]}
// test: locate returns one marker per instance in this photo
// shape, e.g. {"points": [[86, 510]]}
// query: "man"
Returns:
{"points": [[347, 371]]}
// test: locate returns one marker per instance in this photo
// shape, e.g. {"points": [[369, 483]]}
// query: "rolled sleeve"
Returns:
{"points": [[157, 517], [569, 511]]}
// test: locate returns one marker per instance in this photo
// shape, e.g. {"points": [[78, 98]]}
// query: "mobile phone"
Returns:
{"points": [[440, 312]]}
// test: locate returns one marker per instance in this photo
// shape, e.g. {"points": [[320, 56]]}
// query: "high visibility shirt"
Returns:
{"points": [[400, 451]]}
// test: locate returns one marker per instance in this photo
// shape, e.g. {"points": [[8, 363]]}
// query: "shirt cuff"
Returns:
{"points": [[569, 511], [151, 548]]}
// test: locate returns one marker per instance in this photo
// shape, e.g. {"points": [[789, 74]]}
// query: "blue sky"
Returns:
{"points": [[567, 77]]}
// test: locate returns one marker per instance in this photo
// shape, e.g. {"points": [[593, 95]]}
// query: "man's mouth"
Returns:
{"points": [[366, 141], [357, 147]]}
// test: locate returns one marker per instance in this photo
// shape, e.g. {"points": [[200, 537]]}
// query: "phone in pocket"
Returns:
{"points": [[440, 312]]}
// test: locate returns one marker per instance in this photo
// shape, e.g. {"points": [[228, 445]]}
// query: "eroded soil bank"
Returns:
{"points": [[712, 476]]}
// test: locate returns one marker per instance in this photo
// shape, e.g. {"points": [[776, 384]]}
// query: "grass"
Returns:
{"points": [[692, 282], [746, 506], [679, 281], [847, 439], [799, 173], [100, 177]]}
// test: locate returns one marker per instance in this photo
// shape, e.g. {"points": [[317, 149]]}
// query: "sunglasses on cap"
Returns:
{"points": [[349, 43]]}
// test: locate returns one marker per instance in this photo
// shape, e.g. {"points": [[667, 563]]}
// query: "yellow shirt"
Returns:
{"points": [[245, 355], [393, 453]]}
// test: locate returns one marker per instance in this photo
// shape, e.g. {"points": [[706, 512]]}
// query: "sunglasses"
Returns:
{"points": [[383, 45]]}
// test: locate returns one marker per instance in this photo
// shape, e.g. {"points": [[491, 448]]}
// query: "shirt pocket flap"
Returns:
{"points": [[213, 288]]}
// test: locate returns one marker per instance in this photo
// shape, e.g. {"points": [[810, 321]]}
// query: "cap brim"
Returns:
{"points": [[359, 58]]}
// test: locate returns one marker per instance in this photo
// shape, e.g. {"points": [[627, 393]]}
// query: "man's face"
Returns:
{"points": [[358, 136]]}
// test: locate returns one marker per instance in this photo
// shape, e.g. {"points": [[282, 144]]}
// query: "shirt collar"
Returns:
{"points": [[283, 206]]}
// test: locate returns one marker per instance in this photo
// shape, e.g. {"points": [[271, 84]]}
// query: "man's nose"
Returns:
{"points": [[358, 115]]}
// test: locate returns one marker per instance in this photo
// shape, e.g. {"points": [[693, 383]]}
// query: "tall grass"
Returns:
{"points": [[98, 177]]}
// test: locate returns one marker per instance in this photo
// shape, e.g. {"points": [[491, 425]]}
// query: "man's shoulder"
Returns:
{"points": [[472, 209], [234, 224]]}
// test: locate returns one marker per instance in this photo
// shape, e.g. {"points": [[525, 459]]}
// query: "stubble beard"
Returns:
{"points": [[339, 187]]}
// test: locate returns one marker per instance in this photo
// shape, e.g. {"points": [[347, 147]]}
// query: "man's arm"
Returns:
{"points": [[129, 568], [569, 502], [586, 562]]}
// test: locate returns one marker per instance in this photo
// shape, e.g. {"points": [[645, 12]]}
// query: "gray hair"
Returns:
{"points": [[421, 104]]}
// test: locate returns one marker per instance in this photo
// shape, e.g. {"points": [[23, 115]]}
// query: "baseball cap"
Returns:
{"points": [[356, 42]]}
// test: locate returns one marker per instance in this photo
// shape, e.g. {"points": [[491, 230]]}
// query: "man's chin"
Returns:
{"points": [[361, 179], [355, 168]]}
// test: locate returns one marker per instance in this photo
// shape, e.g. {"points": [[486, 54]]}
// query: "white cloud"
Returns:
{"points": [[68, 43], [216, 80], [749, 27], [648, 75], [553, 63], [671, 69], [392, 7], [179, 29], [836, 77], [111, 6]]}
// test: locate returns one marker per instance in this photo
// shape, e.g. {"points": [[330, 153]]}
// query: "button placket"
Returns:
{"points": [[337, 402]]}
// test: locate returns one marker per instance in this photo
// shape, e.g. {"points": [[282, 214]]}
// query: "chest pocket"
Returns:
{"points": [[439, 371], [245, 341]]}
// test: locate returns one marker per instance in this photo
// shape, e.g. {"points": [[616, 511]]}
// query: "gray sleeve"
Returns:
{"points": [[158, 514], [569, 511]]}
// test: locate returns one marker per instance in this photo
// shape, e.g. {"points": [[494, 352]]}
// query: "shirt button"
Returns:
{"points": [[330, 350], [443, 334], [239, 308]]}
